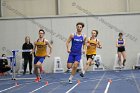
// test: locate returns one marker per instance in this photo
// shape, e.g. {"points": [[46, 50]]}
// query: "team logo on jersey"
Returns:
{"points": [[78, 40]]}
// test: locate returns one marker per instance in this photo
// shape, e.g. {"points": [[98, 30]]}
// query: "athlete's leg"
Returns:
{"points": [[124, 57], [74, 68], [119, 58], [69, 65], [76, 59], [37, 67], [70, 62], [88, 64]]}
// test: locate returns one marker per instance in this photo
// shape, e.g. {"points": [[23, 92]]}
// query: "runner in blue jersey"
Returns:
{"points": [[77, 42]]}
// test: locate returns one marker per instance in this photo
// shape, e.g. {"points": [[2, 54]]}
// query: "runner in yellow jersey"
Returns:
{"points": [[92, 44], [40, 49]]}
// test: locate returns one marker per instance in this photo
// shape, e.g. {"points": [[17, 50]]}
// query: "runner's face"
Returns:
{"points": [[120, 36], [93, 33], [79, 28], [41, 34]]}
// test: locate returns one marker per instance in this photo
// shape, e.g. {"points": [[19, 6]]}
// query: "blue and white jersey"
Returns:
{"points": [[77, 43], [120, 41]]}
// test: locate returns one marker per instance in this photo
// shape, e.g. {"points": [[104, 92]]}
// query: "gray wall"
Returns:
{"points": [[65, 7], [13, 32]]}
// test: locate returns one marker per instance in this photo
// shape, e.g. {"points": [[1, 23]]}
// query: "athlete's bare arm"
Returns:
{"points": [[34, 48], [117, 45], [50, 47], [84, 44], [67, 43], [99, 44]]}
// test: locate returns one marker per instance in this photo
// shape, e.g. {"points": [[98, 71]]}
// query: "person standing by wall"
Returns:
{"points": [[120, 44], [27, 56]]}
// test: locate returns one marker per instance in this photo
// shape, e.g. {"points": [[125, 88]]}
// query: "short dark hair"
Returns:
{"points": [[80, 23], [3, 55], [120, 33], [42, 31], [96, 32]]}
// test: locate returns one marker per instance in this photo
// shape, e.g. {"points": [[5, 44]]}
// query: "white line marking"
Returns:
{"points": [[24, 78], [37, 89], [6, 79], [107, 87], [97, 85], [8, 89], [138, 88], [42, 87], [72, 88], [54, 89]]}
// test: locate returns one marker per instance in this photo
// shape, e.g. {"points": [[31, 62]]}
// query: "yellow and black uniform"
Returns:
{"points": [[41, 51], [41, 48], [91, 49]]}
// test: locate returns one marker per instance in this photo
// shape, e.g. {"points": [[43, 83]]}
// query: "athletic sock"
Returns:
{"points": [[71, 76]]}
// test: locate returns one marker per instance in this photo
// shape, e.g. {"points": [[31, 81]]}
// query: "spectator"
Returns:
{"points": [[27, 56], [4, 67]]}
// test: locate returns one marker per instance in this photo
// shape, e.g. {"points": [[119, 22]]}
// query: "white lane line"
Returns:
{"points": [[72, 88], [107, 87], [8, 88], [97, 85], [43, 87], [138, 88], [37, 89], [54, 89]]}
